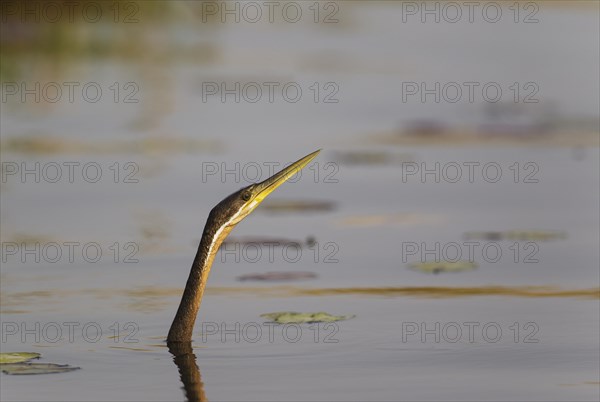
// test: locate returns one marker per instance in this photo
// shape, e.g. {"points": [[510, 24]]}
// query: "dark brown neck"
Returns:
{"points": [[183, 323]]}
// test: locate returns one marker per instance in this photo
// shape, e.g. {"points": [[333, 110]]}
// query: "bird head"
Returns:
{"points": [[238, 205]]}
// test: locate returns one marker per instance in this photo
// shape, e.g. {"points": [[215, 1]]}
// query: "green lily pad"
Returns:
{"points": [[292, 317], [36, 368], [17, 357], [442, 266]]}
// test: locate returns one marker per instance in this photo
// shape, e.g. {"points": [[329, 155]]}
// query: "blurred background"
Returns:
{"points": [[458, 183]]}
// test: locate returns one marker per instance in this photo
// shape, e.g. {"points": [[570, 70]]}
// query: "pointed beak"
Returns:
{"points": [[266, 187]]}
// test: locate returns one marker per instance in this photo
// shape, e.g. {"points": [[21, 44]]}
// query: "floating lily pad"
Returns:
{"points": [[492, 236], [292, 317], [372, 158], [297, 206], [403, 219], [534, 235], [278, 276], [442, 266], [36, 368], [17, 357], [522, 235], [274, 241], [16, 363]]}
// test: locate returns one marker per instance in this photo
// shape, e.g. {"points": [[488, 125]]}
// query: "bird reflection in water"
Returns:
{"points": [[189, 372]]}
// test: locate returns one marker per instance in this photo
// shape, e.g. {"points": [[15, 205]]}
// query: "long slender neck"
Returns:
{"points": [[183, 323]]}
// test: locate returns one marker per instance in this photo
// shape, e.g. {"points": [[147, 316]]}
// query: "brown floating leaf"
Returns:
{"points": [[390, 219], [38, 145], [274, 241]]}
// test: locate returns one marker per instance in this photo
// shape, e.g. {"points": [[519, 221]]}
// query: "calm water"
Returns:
{"points": [[399, 346]]}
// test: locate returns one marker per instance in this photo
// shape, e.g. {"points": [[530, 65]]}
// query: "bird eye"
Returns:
{"points": [[246, 196]]}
